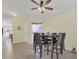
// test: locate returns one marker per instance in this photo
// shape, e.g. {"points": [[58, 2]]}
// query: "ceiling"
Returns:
{"points": [[22, 9]]}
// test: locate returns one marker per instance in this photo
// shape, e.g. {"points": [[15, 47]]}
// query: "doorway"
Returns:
{"points": [[36, 28]]}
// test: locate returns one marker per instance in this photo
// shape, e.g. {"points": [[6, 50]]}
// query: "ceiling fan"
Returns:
{"points": [[42, 5]]}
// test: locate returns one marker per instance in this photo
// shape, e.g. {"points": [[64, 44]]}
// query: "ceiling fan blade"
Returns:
{"points": [[34, 8], [47, 2], [34, 2], [48, 8]]}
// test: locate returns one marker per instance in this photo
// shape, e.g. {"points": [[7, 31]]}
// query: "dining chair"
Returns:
{"points": [[38, 42], [46, 40], [42, 37], [53, 43], [58, 47], [61, 42]]}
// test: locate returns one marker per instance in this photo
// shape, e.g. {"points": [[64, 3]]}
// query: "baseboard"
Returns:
{"points": [[68, 49], [14, 42]]}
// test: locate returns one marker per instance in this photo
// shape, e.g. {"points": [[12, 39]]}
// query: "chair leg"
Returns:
{"points": [[51, 53], [57, 56], [40, 51], [57, 51], [61, 49], [64, 46], [52, 50], [47, 49], [35, 48]]}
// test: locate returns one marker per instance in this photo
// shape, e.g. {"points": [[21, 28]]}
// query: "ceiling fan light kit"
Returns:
{"points": [[42, 6]]}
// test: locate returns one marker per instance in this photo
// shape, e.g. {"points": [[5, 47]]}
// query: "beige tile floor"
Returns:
{"points": [[24, 51]]}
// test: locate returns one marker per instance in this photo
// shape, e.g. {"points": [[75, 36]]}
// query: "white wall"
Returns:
{"points": [[18, 35]]}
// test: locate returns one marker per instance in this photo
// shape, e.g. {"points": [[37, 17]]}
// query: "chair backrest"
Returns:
{"points": [[37, 38], [43, 36], [54, 34], [54, 38], [61, 38]]}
